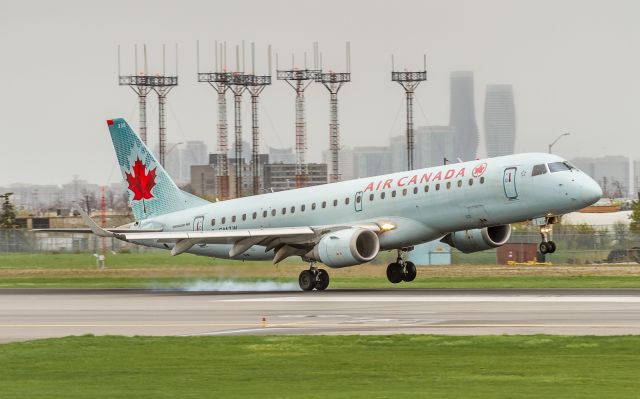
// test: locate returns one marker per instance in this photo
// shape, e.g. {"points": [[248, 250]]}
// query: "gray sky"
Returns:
{"points": [[574, 66]]}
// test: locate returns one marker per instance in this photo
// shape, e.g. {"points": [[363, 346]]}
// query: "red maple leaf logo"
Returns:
{"points": [[479, 170], [141, 183]]}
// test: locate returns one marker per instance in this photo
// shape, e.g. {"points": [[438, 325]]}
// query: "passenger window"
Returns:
{"points": [[273, 212], [255, 215], [244, 217], [448, 185], [482, 180], [404, 192], [371, 197], [233, 219], [284, 211], [459, 183], [335, 202], [324, 204], [346, 201], [415, 190], [382, 195], [358, 199], [264, 214], [426, 188], [471, 182], [213, 222], [438, 187], [302, 208], [313, 206], [539, 170], [393, 193], [293, 209], [224, 220]]}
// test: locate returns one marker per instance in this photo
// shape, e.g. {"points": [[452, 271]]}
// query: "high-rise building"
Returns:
{"points": [[499, 120], [463, 115], [371, 161], [432, 145], [193, 153], [281, 155], [345, 162]]}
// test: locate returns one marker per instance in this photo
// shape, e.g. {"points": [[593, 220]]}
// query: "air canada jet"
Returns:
{"points": [[468, 205]]}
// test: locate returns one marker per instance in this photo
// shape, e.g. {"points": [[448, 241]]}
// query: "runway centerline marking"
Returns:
{"points": [[444, 298]]}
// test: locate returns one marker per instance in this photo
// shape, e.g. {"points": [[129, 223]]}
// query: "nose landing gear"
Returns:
{"points": [[401, 269], [546, 246]]}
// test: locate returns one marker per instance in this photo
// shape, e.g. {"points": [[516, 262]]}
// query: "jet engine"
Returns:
{"points": [[475, 240], [346, 247]]}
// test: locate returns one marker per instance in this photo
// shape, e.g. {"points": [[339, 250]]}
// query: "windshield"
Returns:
{"points": [[560, 166]]}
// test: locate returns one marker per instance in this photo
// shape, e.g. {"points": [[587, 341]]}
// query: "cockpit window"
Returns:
{"points": [[559, 166], [539, 170]]}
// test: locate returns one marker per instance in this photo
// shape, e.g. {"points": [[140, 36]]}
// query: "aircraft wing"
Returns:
{"points": [[87, 230], [241, 239]]}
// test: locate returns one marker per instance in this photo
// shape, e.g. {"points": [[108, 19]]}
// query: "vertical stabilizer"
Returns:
{"points": [[151, 190]]}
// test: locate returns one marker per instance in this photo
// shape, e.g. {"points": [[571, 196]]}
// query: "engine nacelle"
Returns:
{"points": [[346, 247], [469, 241]]}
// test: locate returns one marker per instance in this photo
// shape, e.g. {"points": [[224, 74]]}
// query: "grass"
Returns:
{"points": [[400, 366], [158, 269]]}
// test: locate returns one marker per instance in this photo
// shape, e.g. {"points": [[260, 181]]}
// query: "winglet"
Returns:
{"points": [[95, 229]]}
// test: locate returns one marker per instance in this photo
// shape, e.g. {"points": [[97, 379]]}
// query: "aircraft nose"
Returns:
{"points": [[591, 191]]}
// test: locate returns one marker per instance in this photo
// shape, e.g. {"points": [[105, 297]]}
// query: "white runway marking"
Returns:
{"points": [[444, 298]]}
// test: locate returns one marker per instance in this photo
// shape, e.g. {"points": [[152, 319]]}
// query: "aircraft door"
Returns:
{"points": [[509, 182], [358, 201], [198, 225]]}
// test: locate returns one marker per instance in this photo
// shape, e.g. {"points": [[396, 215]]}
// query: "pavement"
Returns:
{"points": [[44, 313]]}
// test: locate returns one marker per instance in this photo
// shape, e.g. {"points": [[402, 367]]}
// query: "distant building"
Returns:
{"points": [[345, 162], [281, 155], [371, 161], [463, 115], [499, 120], [192, 153], [205, 181], [282, 176], [611, 173], [432, 144]]}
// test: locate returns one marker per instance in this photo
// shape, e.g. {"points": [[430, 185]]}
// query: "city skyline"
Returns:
{"points": [[570, 67]]}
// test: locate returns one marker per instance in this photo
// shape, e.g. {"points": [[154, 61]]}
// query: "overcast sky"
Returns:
{"points": [[574, 66]]}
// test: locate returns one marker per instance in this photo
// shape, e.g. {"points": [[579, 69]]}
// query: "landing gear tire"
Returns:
{"points": [[410, 272], [394, 273], [544, 247], [322, 280], [307, 280], [552, 246]]}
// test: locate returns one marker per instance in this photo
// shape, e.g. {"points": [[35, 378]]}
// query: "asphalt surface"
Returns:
{"points": [[44, 313]]}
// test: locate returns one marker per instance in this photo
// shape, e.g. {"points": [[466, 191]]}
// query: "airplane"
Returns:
{"points": [[468, 205]]}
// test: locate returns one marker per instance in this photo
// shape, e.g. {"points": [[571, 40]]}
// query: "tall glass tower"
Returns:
{"points": [[499, 120], [463, 115]]}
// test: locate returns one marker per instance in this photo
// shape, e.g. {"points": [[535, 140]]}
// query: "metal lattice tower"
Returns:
{"points": [[255, 84], [409, 81], [237, 87], [333, 81], [139, 83], [219, 80], [144, 83], [299, 80]]}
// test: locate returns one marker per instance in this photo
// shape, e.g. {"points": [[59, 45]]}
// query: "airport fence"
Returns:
{"points": [[576, 244]]}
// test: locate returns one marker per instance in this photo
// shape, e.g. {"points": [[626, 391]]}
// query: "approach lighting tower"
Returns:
{"points": [[255, 84], [409, 81], [162, 85], [219, 80], [237, 86], [333, 81], [299, 80], [139, 83]]}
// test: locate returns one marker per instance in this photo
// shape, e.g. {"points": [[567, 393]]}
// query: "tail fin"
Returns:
{"points": [[151, 190]]}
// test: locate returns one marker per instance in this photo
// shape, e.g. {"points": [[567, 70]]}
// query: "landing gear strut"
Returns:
{"points": [[401, 269], [546, 246], [313, 278]]}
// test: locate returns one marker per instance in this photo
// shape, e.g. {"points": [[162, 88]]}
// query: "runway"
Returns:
{"points": [[44, 313]]}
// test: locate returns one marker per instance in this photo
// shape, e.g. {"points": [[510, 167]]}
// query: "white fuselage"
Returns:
{"points": [[423, 204]]}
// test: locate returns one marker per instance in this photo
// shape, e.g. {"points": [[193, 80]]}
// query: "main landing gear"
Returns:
{"points": [[313, 278], [401, 269], [546, 246]]}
